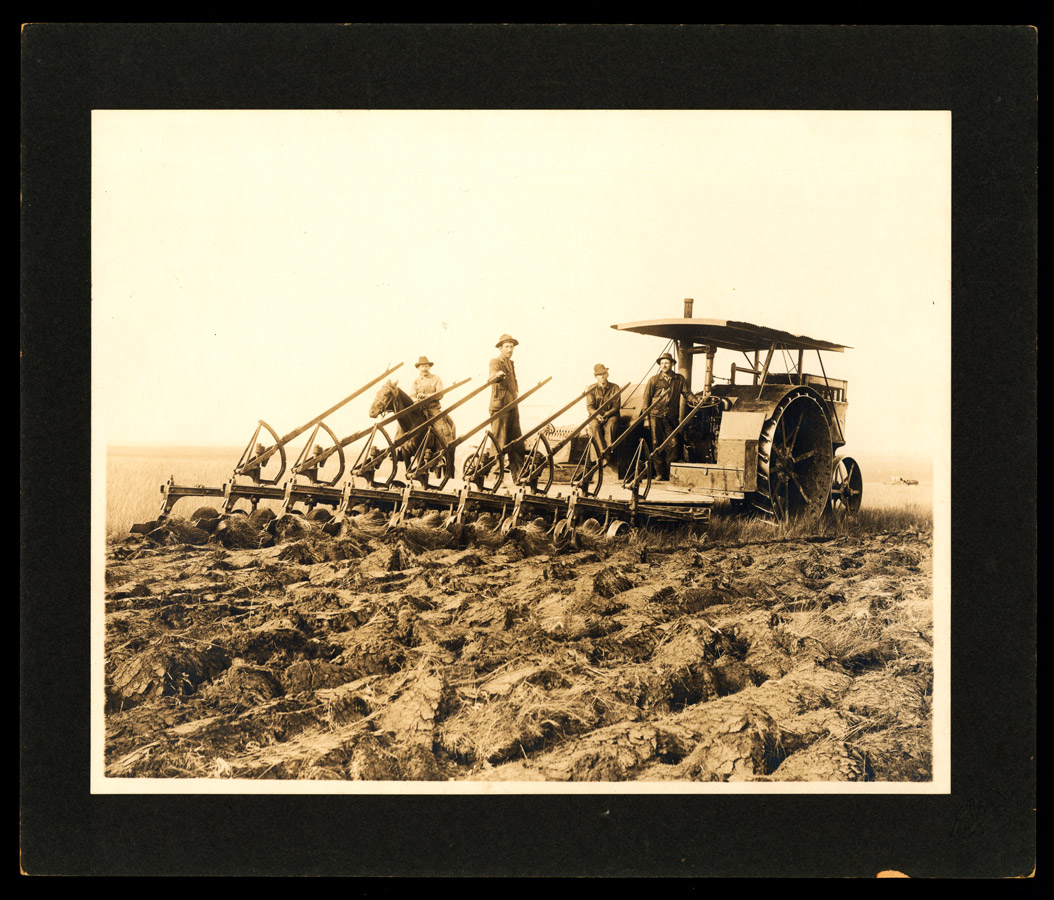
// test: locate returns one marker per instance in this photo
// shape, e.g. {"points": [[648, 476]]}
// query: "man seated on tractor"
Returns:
{"points": [[606, 397], [667, 387], [425, 385]]}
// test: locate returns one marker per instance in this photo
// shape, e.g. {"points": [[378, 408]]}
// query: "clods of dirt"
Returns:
{"points": [[305, 648]]}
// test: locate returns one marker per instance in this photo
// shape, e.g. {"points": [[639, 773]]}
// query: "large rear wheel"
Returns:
{"points": [[795, 457]]}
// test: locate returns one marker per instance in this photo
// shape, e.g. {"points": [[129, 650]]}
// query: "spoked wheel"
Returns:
{"points": [[431, 446], [638, 472], [588, 475], [795, 457], [847, 486], [538, 470], [484, 468], [376, 461]]}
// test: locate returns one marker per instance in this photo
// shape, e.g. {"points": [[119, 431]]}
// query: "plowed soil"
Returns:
{"points": [[259, 649]]}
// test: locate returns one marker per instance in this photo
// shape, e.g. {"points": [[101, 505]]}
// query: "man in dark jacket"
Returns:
{"points": [[603, 395], [507, 426], [668, 387]]}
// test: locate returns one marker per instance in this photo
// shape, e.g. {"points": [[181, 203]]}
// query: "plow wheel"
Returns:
{"points": [[847, 486], [638, 472], [589, 470], [377, 461], [438, 473], [484, 468], [538, 471], [795, 457]]}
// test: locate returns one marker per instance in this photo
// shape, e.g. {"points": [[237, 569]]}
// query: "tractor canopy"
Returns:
{"points": [[726, 334]]}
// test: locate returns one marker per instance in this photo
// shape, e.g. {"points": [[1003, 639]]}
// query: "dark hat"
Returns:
{"points": [[600, 369], [424, 361], [507, 338], [666, 356]]}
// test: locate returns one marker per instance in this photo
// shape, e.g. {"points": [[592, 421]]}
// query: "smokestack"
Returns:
{"points": [[684, 350]]}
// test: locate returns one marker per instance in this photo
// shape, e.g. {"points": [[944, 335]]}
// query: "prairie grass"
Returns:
{"points": [[133, 484]]}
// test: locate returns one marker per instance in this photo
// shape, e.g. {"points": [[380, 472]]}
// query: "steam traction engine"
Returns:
{"points": [[767, 435]]}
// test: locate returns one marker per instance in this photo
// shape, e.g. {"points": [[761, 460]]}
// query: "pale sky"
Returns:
{"points": [[264, 264]]}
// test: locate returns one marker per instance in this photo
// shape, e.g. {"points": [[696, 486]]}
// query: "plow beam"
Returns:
{"points": [[432, 460], [251, 461], [530, 472], [592, 470], [340, 443], [309, 467]]}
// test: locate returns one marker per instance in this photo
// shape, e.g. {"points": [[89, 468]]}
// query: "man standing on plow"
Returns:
{"points": [[603, 395], [426, 385], [668, 387], [504, 392]]}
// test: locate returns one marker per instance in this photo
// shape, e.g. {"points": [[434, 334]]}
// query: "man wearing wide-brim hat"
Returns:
{"points": [[605, 397], [506, 427], [668, 388], [427, 384]]}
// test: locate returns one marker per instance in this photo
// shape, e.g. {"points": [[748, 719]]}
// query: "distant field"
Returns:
{"points": [[133, 484], [134, 477]]}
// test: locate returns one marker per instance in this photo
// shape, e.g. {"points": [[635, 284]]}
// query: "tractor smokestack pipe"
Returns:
{"points": [[684, 351]]}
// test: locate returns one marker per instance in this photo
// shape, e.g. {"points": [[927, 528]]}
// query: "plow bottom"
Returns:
{"points": [[560, 512]]}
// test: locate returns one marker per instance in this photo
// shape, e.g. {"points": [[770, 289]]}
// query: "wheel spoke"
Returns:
{"points": [[794, 434], [798, 485]]}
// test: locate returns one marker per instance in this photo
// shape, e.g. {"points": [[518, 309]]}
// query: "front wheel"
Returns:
{"points": [[847, 486]]}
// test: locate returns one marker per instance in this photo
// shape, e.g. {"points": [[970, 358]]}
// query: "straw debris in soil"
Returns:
{"points": [[277, 648]]}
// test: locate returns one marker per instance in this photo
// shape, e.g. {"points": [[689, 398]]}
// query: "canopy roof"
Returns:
{"points": [[726, 334]]}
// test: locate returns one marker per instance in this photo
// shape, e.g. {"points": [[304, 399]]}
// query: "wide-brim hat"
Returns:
{"points": [[600, 369], [424, 361], [666, 356], [507, 339]]}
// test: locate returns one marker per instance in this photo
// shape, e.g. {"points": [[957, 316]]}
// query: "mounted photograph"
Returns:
{"points": [[521, 451]]}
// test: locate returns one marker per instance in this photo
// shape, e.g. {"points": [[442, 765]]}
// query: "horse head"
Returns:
{"points": [[385, 399]]}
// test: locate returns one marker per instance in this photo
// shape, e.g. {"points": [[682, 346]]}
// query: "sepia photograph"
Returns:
{"points": [[519, 448], [528, 450]]}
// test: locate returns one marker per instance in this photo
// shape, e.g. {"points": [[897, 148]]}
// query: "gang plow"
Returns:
{"points": [[412, 474], [771, 445]]}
